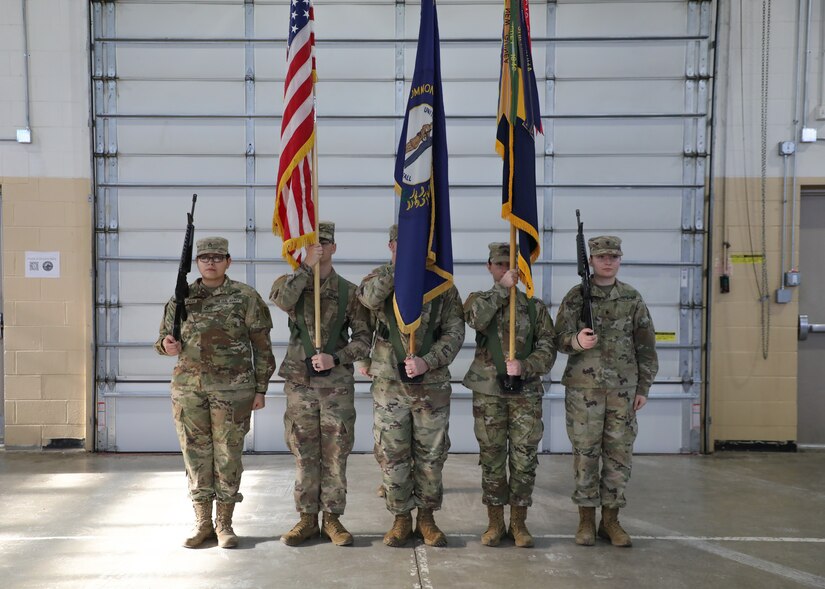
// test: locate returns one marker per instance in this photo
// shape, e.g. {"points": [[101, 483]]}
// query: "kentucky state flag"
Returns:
{"points": [[518, 120], [424, 258]]}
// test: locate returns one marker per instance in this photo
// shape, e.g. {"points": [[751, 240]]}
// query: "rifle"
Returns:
{"points": [[182, 285], [584, 272]]}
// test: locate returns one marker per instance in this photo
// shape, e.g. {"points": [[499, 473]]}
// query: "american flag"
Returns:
{"points": [[294, 217]]}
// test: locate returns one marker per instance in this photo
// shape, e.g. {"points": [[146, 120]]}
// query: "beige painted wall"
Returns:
{"points": [[46, 188], [754, 398]]}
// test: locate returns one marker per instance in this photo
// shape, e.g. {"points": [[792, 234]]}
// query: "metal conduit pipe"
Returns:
{"points": [[392, 41], [706, 416], [803, 123], [189, 185], [341, 117], [26, 98]]}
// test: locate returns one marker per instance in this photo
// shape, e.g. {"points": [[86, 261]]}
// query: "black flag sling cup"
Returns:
{"points": [[182, 286]]}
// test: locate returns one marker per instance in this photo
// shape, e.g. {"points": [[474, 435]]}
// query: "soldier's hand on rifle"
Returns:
{"points": [[514, 368], [509, 279], [259, 402], [314, 252], [171, 346], [587, 338], [415, 366], [322, 361]]}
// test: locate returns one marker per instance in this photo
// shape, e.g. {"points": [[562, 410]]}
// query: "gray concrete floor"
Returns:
{"points": [[728, 520]]}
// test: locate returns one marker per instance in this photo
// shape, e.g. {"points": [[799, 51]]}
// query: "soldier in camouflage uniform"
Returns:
{"points": [[507, 423], [607, 379], [411, 421], [319, 423], [224, 364]]}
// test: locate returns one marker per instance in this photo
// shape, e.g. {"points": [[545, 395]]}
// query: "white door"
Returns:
{"points": [[811, 383]]}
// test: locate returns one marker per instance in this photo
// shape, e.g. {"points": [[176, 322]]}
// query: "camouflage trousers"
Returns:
{"points": [[211, 426], [319, 427], [411, 429], [601, 424], [507, 427]]}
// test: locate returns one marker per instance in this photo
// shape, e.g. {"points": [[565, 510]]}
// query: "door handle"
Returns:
{"points": [[805, 328]]}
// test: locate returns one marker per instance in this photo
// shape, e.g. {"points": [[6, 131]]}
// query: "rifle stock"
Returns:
{"points": [[182, 285], [584, 272]]}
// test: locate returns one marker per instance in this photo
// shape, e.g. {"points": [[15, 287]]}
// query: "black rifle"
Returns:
{"points": [[182, 285], [584, 272]]}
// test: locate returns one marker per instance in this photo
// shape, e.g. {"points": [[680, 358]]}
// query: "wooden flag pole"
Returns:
{"points": [[512, 355], [317, 268], [412, 343]]}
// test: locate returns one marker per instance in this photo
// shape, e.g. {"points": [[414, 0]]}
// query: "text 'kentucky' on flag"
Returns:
{"points": [[518, 120], [424, 255], [294, 216]]}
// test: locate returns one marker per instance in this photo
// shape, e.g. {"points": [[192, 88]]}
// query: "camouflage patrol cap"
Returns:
{"points": [[394, 232], [605, 244], [326, 231], [499, 252], [212, 245]]}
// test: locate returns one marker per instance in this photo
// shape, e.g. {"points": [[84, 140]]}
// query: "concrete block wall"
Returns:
{"points": [[755, 398], [46, 192]]}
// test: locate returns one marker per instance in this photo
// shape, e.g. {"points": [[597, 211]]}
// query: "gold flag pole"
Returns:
{"points": [[317, 268], [512, 355]]}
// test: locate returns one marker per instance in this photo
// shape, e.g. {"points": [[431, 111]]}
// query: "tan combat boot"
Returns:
{"points": [[332, 528], [305, 529], [518, 527], [426, 528], [203, 529], [223, 526], [586, 534], [496, 529], [400, 531], [611, 529]]}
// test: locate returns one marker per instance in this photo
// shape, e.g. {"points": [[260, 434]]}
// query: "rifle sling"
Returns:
{"points": [[300, 325]]}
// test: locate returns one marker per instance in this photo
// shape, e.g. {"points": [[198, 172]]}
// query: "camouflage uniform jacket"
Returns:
{"points": [[226, 343], [374, 291], [479, 311], [285, 293], [625, 355]]}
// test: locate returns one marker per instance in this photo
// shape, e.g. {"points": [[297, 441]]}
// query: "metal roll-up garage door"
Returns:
{"points": [[188, 97]]}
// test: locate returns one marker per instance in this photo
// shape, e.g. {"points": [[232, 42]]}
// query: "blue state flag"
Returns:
{"points": [[424, 258], [518, 120]]}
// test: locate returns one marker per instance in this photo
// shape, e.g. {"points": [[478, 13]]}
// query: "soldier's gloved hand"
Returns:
{"points": [[314, 252], [171, 346], [259, 402], [638, 402], [415, 366], [514, 368], [587, 338], [509, 279], [322, 361]]}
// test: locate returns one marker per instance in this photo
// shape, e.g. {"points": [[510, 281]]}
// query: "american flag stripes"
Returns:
{"points": [[294, 217]]}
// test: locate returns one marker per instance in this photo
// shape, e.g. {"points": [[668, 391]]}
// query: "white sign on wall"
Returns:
{"points": [[42, 264]]}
